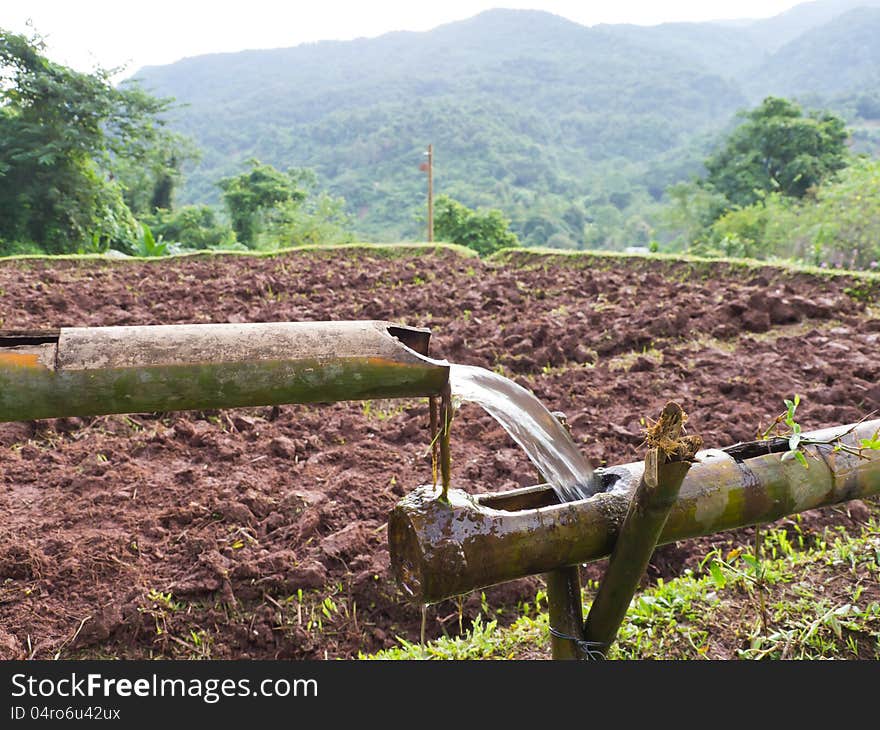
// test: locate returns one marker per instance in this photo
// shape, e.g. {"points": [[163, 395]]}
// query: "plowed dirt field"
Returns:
{"points": [[260, 533]]}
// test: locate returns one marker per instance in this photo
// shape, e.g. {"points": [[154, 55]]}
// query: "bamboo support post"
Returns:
{"points": [[666, 464], [445, 449], [566, 612], [564, 601]]}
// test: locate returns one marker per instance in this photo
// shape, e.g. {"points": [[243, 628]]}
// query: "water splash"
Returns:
{"points": [[546, 441]]}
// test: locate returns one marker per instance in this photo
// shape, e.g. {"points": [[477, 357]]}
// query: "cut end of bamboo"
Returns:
{"points": [[668, 436]]}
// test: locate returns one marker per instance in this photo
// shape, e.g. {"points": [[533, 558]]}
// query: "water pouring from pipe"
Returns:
{"points": [[531, 425]]}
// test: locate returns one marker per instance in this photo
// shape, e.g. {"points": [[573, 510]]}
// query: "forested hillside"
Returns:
{"points": [[842, 56], [773, 33], [574, 132]]}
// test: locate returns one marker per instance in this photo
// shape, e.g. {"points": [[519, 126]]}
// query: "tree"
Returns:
{"points": [[192, 227], [778, 149], [250, 195], [485, 232], [151, 178], [62, 136], [321, 220], [270, 208], [691, 211], [838, 226], [846, 218]]}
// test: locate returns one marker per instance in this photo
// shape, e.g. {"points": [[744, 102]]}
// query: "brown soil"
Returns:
{"points": [[259, 533]]}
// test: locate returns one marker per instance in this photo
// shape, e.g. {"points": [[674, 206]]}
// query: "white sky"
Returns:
{"points": [[112, 33]]}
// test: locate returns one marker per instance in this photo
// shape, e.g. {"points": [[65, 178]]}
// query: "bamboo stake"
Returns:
{"points": [[445, 452], [666, 463], [434, 414], [564, 601], [566, 612]]}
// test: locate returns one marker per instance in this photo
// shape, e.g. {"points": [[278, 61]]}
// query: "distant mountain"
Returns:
{"points": [[839, 57], [773, 33], [744, 49], [714, 47], [574, 132]]}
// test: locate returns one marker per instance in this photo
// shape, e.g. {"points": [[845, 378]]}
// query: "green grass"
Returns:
{"points": [[810, 596], [701, 264], [484, 640], [384, 250]]}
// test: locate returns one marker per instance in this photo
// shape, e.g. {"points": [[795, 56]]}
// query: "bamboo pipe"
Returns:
{"points": [[442, 549], [85, 371]]}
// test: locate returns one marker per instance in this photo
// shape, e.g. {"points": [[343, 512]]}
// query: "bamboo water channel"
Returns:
{"points": [[442, 550], [86, 371], [445, 543]]}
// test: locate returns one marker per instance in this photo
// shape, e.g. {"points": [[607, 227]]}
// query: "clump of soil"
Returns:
{"points": [[260, 533]]}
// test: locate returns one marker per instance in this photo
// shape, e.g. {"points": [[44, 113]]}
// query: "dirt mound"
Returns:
{"points": [[261, 532]]}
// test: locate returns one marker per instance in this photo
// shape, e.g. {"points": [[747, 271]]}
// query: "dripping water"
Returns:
{"points": [[528, 422], [424, 622]]}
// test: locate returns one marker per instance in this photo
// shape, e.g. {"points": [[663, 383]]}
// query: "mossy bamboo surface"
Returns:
{"points": [[442, 549], [100, 370]]}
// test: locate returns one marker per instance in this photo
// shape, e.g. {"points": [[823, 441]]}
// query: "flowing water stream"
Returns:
{"points": [[544, 439]]}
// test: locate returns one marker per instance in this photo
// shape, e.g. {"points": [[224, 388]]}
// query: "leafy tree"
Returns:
{"points": [[250, 195], [151, 178], [320, 220], [192, 227], [845, 222], [485, 232], [62, 135], [778, 149], [838, 226], [692, 209], [743, 232]]}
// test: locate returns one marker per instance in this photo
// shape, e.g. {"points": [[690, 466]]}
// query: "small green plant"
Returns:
{"points": [[785, 426], [369, 410], [163, 600], [794, 440], [162, 607], [860, 294], [148, 246], [872, 443]]}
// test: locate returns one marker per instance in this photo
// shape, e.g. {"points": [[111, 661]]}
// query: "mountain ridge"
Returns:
{"points": [[572, 130]]}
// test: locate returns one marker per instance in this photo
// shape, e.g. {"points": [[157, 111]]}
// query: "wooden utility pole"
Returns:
{"points": [[430, 154]]}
